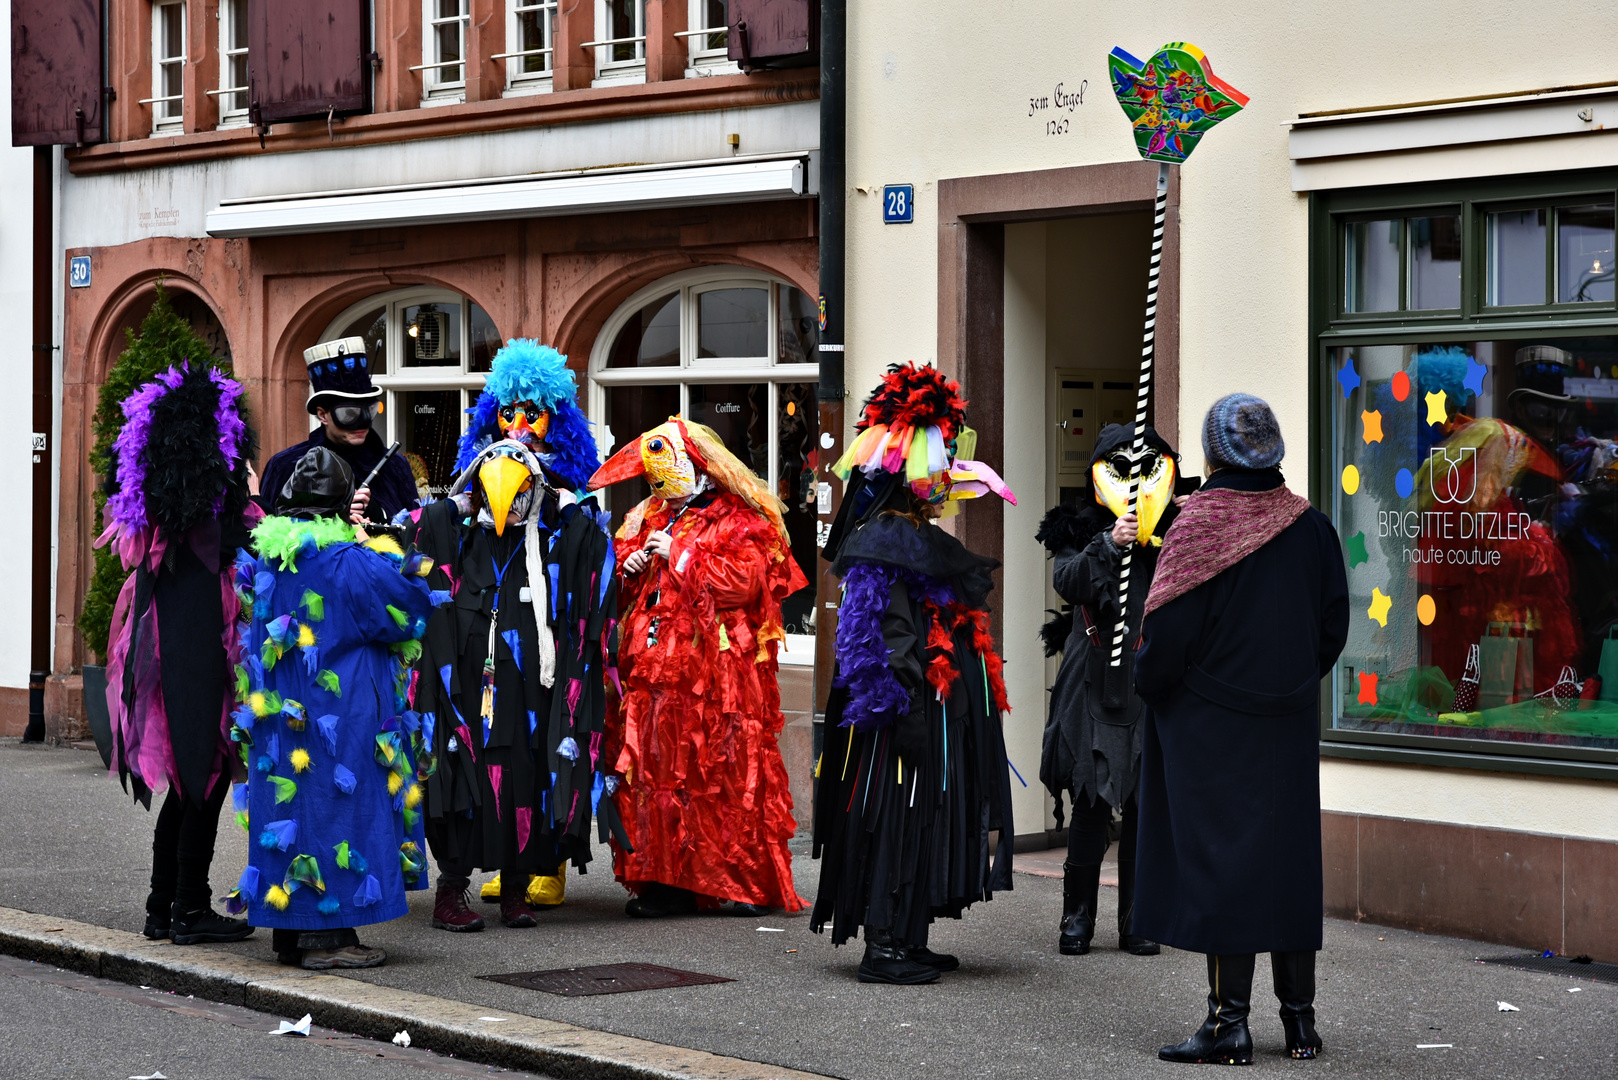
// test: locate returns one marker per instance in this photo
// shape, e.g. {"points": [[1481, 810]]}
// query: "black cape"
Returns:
{"points": [[392, 491], [899, 851], [513, 800], [1229, 856]]}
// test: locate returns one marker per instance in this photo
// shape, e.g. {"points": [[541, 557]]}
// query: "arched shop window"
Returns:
{"points": [[735, 350], [429, 350]]}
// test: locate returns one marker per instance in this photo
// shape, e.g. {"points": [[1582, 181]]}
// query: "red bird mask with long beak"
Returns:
{"points": [[666, 455]]}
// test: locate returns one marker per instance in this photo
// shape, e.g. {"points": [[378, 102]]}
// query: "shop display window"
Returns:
{"points": [[1469, 396], [429, 351], [736, 351]]}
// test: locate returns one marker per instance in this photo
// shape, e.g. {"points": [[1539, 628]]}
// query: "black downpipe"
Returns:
{"points": [[831, 391], [39, 653]]}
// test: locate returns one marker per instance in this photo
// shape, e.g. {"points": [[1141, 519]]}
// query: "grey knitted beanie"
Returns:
{"points": [[1241, 432]]}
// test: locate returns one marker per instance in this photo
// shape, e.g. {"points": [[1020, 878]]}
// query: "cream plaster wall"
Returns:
{"points": [[952, 92]]}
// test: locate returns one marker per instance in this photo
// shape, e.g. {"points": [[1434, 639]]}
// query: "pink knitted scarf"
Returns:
{"points": [[1214, 531]]}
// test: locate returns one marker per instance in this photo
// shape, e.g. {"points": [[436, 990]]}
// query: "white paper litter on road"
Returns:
{"points": [[402, 1039], [150, 1076], [771, 930], [300, 1028], [1506, 1006], [1574, 989], [493, 1019], [1435, 1046]]}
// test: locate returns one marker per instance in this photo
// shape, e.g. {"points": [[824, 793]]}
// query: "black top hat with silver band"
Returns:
{"points": [[339, 374]]}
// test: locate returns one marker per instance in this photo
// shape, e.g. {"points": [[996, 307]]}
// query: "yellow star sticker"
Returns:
{"points": [[1436, 413], [1380, 603], [1373, 426]]}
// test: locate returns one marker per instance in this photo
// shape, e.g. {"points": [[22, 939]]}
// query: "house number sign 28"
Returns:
{"points": [[898, 204]]}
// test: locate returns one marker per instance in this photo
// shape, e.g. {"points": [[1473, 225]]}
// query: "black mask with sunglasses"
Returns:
{"points": [[354, 417]]}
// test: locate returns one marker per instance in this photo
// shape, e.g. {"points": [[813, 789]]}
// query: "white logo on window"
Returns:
{"points": [[1445, 474]]}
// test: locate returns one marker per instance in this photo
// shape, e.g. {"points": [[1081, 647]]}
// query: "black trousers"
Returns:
{"points": [[1087, 834], [182, 852]]}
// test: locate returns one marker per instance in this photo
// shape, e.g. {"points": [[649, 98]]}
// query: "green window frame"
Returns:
{"points": [[1334, 328]]}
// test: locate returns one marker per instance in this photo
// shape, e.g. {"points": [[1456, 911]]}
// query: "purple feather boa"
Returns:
{"points": [[875, 696], [126, 508]]}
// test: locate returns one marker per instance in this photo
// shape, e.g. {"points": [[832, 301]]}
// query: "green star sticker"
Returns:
{"points": [[1356, 550]]}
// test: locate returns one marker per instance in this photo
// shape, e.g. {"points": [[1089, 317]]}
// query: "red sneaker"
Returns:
{"points": [[452, 912]]}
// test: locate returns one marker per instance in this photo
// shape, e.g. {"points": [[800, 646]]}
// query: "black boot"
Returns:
{"points": [[659, 901], [921, 954], [1080, 884], [1295, 987], [206, 926], [888, 961], [1128, 942], [1223, 1038]]}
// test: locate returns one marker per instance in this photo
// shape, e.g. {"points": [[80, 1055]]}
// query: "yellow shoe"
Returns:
{"points": [[491, 890], [548, 891]]}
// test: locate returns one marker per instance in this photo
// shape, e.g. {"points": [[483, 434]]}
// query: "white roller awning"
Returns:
{"points": [[540, 195]]}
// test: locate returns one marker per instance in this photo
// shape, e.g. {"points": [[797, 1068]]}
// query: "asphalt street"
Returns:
{"points": [[1392, 1003], [135, 1032]]}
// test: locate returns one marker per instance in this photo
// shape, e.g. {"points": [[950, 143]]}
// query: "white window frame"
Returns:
{"points": [[435, 89], [226, 92], [609, 71], [162, 123], [398, 378], [690, 284], [701, 61], [529, 82]]}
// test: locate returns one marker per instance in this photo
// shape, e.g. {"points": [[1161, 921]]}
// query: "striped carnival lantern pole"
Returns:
{"points": [[1172, 100]]}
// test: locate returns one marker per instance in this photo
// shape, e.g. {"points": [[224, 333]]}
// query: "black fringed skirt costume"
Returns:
{"points": [[913, 778]]}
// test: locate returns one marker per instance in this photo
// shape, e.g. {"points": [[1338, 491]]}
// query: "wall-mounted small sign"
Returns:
{"points": [[78, 272], [898, 204]]}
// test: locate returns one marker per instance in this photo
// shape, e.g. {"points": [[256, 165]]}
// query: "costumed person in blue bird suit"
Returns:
{"points": [[1092, 741], [914, 774], [345, 401], [333, 797], [178, 509], [511, 684], [1248, 612]]}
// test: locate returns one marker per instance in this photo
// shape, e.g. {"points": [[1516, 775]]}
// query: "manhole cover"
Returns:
{"points": [[1581, 967], [605, 979]]}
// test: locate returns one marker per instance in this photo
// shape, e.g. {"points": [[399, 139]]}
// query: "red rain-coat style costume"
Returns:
{"points": [[703, 791]]}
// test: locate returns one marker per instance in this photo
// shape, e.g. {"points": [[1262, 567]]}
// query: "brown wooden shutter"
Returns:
{"points": [[774, 33], [56, 72], [307, 58]]}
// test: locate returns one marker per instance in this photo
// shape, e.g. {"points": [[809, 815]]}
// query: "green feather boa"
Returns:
{"points": [[283, 537]]}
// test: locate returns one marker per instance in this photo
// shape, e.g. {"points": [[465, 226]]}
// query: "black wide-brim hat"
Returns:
{"points": [[339, 374]]}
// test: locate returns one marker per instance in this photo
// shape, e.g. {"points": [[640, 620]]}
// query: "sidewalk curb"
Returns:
{"points": [[565, 1051]]}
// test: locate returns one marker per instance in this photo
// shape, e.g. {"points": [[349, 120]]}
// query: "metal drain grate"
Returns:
{"points": [[605, 979], [1571, 967]]}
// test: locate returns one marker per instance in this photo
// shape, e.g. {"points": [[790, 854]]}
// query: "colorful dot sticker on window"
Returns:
{"points": [[1404, 483], [1348, 376], [1373, 426], [1367, 688], [1351, 480], [1380, 603], [1426, 610], [1436, 413], [1356, 550], [1400, 386]]}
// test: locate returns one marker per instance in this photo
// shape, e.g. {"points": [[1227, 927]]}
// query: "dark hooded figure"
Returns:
{"points": [[1092, 744], [1248, 612]]}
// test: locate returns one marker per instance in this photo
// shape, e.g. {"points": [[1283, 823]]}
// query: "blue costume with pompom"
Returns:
{"points": [[525, 370]]}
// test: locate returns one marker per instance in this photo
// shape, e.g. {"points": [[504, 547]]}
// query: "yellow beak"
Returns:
{"points": [[503, 479]]}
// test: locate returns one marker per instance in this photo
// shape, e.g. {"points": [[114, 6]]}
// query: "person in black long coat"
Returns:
{"points": [[1092, 744], [1248, 612]]}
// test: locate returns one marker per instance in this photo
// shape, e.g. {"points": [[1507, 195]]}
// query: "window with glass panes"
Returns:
{"points": [[1468, 387], [443, 47], [429, 352], [530, 36], [734, 350], [232, 90], [709, 36], [168, 65], [620, 45]]}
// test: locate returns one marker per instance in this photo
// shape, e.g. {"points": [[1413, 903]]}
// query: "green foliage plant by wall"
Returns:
{"points": [[163, 339]]}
